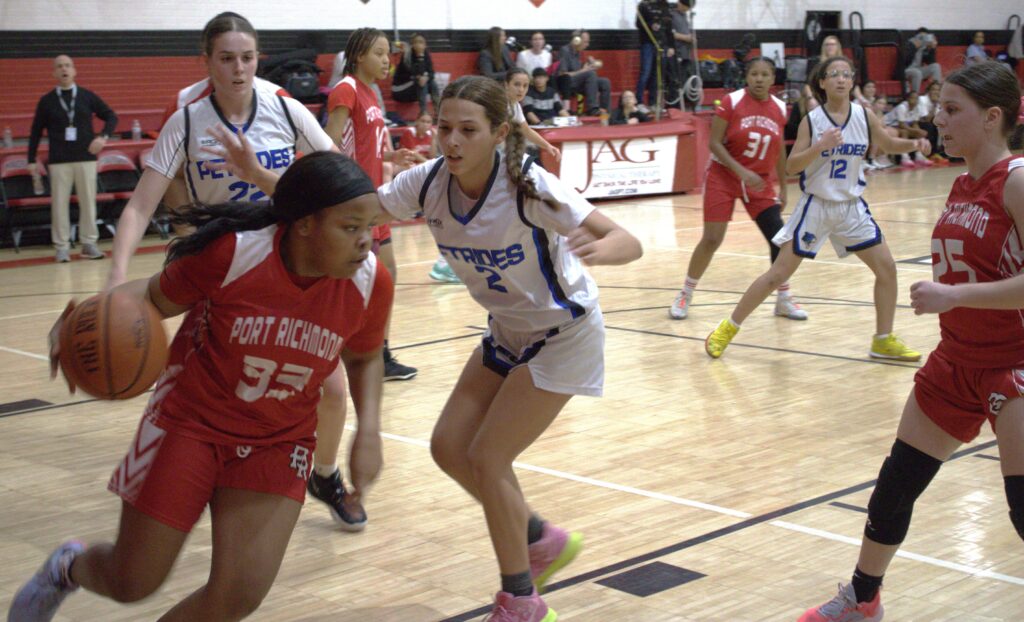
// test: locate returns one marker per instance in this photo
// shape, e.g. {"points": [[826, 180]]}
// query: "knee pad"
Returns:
{"points": [[1014, 485], [905, 474], [770, 222]]}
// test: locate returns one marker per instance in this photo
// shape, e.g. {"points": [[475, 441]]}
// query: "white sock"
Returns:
{"points": [[441, 262], [325, 470], [783, 290], [733, 323], [688, 286], [882, 336]]}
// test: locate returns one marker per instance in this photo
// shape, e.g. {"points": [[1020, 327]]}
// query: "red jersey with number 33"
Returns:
{"points": [[364, 134], [974, 241], [753, 134], [246, 366]]}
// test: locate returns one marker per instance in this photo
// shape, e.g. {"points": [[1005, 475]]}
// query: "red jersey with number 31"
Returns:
{"points": [[974, 241], [753, 134], [246, 366], [364, 134]]}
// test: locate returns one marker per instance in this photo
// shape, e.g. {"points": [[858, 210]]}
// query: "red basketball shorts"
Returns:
{"points": [[171, 477], [722, 188], [959, 399]]}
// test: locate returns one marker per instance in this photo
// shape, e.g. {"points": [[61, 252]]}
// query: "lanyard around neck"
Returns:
{"points": [[69, 109]]}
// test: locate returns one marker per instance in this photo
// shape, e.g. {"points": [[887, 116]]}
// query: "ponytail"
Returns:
{"points": [[515, 146], [314, 182]]}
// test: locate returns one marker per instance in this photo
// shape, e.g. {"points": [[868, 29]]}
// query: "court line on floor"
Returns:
{"points": [[24, 315], [869, 361], [844, 264], [23, 353], [769, 518]]}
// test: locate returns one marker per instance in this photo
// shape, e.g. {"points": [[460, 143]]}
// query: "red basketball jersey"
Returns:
{"points": [[975, 241], [365, 133], [246, 365], [423, 146], [753, 135]]}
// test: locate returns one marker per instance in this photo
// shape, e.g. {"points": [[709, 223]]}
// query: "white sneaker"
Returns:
{"points": [[883, 161], [680, 307], [920, 160], [40, 597], [785, 307]]}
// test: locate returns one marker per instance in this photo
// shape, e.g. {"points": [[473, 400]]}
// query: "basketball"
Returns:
{"points": [[112, 346]]}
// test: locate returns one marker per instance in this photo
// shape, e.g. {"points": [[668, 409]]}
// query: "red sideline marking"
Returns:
{"points": [[143, 250]]}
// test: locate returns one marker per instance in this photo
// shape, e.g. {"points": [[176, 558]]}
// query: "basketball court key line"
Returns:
{"points": [[827, 535], [23, 353]]}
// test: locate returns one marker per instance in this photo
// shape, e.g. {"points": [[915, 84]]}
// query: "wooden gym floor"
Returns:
{"points": [[706, 490]]}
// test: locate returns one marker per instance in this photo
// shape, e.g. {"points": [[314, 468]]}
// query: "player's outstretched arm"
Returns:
{"points": [[892, 144], [599, 240], [365, 372]]}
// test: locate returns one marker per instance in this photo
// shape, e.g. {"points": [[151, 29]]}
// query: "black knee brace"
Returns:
{"points": [[903, 477], [769, 222], [1014, 485]]}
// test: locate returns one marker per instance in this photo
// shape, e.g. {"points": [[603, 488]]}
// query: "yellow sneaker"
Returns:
{"points": [[720, 338], [892, 347]]}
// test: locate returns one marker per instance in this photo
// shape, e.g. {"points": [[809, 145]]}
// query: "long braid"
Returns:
{"points": [[515, 147]]}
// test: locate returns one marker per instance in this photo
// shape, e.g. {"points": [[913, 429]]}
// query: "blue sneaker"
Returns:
{"points": [[39, 599], [444, 273]]}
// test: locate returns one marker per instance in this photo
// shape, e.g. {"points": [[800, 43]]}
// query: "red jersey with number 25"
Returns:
{"points": [[246, 366], [975, 241], [753, 134], [364, 134]]}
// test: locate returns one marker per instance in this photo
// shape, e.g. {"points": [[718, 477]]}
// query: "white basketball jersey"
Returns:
{"points": [[510, 251], [276, 128], [202, 88], [838, 175]]}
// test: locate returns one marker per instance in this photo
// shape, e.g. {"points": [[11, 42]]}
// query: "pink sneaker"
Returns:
{"points": [[845, 608], [509, 608], [554, 551]]}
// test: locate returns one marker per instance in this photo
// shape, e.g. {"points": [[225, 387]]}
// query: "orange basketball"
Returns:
{"points": [[112, 346]]}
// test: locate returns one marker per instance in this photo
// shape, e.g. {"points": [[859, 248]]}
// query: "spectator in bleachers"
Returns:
{"points": [[654, 27], [517, 84], [922, 63], [867, 94], [66, 113], [542, 101], [926, 108], [537, 55], [422, 140], [904, 117], [628, 112], [830, 46], [495, 59], [414, 75], [575, 76], [685, 42], [976, 52]]}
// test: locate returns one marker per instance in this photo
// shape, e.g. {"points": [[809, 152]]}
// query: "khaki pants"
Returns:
{"points": [[83, 176]]}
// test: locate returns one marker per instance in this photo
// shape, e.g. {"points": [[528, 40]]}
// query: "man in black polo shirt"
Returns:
{"points": [[66, 114]]}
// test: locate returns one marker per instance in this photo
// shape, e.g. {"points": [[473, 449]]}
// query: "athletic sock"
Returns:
{"points": [[325, 470], [517, 584], [534, 529], [688, 286], [865, 586]]}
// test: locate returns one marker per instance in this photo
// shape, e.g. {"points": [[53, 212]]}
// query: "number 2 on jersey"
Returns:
{"points": [[757, 142]]}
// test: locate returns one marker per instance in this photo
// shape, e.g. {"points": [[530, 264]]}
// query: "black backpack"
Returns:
{"points": [[296, 71]]}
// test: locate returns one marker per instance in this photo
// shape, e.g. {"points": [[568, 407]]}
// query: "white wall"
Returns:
{"points": [[482, 14]]}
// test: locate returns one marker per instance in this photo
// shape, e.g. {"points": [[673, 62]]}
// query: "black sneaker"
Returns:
{"points": [[393, 370], [349, 514]]}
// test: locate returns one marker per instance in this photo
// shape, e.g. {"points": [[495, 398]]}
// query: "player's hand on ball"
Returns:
{"points": [[54, 339], [931, 297]]}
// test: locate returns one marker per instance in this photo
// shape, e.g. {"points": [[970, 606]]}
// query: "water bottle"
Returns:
{"points": [[8, 137], [37, 185], [136, 130]]}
